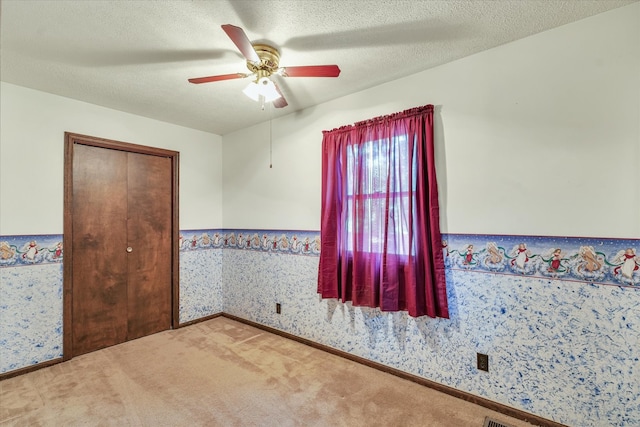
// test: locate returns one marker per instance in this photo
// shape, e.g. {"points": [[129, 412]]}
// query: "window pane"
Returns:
{"points": [[373, 167]]}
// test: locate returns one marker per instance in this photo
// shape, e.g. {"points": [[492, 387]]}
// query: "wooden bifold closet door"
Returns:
{"points": [[119, 222]]}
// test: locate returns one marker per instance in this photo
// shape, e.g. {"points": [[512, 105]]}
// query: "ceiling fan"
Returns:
{"points": [[263, 61]]}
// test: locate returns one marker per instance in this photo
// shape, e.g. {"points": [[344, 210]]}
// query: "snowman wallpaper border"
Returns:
{"points": [[31, 249], [606, 261], [298, 242], [590, 260]]}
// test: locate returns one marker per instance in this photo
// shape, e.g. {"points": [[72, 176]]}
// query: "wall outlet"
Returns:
{"points": [[483, 362], [278, 308]]}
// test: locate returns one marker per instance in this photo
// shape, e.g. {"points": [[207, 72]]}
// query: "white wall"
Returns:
{"points": [[537, 137], [32, 126]]}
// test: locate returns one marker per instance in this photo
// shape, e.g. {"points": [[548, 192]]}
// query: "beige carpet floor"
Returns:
{"points": [[224, 373]]}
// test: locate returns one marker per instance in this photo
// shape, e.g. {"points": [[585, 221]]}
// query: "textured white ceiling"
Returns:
{"points": [[136, 56]]}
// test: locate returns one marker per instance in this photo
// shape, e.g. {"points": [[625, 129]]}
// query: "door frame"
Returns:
{"points": [[70, 139]]}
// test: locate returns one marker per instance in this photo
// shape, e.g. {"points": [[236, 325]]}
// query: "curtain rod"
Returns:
{"points": [[406, 113]]}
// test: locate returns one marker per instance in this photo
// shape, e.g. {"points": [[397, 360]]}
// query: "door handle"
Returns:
{"points": [[129, 249]]}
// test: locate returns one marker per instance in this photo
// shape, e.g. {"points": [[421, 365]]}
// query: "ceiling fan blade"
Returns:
{"points": [[311, 71], [280, 102], [242, 42], [209, 79]]}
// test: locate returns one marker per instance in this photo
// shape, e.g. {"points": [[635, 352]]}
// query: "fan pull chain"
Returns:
{"points": [[270, 135]]}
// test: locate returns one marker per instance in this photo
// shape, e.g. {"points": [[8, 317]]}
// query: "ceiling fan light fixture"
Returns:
{"points": [[262, 88], [252, 91]]}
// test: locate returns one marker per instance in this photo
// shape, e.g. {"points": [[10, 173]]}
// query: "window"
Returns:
{"points": [[374, 189], [380, 236]]}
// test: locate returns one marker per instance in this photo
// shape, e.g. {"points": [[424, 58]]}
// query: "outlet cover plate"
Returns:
{"points": [[483, 362]]}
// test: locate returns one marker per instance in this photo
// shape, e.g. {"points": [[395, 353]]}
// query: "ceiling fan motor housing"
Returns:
{"points": [[269, 61]]}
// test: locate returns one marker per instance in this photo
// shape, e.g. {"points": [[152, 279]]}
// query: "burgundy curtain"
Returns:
{"points": [[380, 233]]}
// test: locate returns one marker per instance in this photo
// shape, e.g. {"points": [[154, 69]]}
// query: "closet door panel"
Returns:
{"points": [[149, 237], [99, 265]]}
